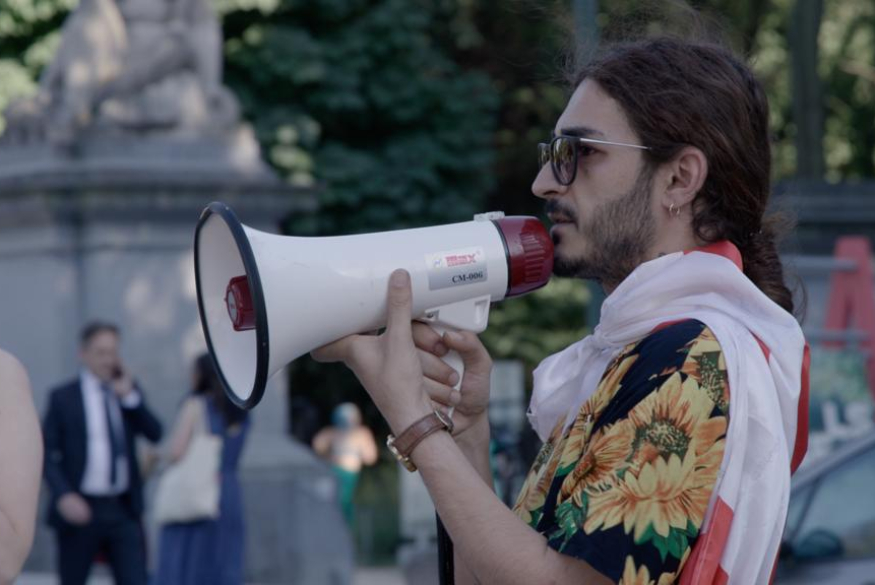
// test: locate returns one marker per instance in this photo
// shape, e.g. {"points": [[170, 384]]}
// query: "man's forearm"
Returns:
{"points": [[474, 445]]}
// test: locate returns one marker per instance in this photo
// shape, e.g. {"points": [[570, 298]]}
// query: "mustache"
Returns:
{"points": [[554, 207]]}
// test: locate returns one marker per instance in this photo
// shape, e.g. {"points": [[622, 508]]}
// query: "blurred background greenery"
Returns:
{"points": [[417, 112]]}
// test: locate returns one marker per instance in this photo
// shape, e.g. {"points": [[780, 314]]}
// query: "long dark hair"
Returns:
{"points": [[207, 384], [677, 93]]}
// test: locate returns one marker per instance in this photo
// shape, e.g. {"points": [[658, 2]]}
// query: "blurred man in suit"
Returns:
{"points": [[90, 431]]}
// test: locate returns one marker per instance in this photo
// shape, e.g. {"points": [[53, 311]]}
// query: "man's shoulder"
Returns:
{"points": [[675, 336], [683, 347], [670, 340], [65, 390], [662, 352]]}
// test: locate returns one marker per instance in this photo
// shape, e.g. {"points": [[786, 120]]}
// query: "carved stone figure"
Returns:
{"points": [[141, 66], [172, 71]]}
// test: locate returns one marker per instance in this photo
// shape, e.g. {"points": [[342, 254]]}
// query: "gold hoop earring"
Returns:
{"points": [[674, 211]]}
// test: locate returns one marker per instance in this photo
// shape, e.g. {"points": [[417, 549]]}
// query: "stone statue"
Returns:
{"points": [[130, 66], [91, 52], [172, 76]]}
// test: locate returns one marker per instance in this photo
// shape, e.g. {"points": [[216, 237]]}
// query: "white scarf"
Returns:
{"points": [[746, 514]]}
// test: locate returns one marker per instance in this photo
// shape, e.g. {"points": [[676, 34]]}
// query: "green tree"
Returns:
{"points": [[28, 39], [523, 45], [847, 69], [357, 96], [807, 87], [361, 99]]}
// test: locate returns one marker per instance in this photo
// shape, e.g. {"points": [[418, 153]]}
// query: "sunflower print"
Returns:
{"points": [[633, 575], [534, 491], [626, 486]]}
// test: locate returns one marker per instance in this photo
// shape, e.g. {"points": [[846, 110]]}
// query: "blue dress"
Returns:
{"points": [[209, 552]]}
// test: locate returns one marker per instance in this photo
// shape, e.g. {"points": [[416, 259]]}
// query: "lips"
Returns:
{"points": [[560, 219], [558, 214]]}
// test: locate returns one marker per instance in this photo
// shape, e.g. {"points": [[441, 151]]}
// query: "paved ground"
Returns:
{"points": [[363, 576]]}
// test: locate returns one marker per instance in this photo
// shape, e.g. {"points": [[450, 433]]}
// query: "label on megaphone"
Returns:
{"points": [[265, 300], [456, 268]]}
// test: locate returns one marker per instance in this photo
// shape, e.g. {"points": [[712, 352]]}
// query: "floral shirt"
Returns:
{"points": [[626, 486]]}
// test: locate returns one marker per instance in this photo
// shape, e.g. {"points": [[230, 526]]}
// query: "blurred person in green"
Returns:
{"points": [[348, 445]]}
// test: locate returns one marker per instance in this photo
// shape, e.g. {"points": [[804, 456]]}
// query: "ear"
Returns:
{"points": [[685, 175]]}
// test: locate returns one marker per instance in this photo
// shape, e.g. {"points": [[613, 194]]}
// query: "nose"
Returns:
{"points": [[546, 186]]}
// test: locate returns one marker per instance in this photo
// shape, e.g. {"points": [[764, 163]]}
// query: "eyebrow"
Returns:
{"points": [[580, 132]]}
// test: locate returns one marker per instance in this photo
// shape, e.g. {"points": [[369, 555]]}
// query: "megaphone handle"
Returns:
{"points": [[454, 360]]}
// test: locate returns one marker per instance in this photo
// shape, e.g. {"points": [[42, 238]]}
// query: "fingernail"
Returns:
{"points": [[453, 336], [399, 278], [454, 378], [440, 348], [455, 397]]}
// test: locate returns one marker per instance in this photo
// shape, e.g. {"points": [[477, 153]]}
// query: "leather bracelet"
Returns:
{"points": [[402, 445]]}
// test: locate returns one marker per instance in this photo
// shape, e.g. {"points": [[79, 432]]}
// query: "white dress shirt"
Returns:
{"points": [[96, 480]]}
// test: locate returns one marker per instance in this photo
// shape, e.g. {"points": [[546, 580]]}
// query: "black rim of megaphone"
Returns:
{"points": [[254, 282]]}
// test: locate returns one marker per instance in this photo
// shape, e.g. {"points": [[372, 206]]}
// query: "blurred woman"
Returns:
{"points": [[207, 551], [21, 459], [347, 444]]}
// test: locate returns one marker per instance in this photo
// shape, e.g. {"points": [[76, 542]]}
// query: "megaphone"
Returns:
{"points": [[265, 299]]}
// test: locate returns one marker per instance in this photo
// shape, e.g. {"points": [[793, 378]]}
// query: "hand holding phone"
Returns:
{"points": [[122, 383]]}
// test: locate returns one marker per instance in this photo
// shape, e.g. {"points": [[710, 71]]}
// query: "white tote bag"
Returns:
{"points": [[188, 490]]}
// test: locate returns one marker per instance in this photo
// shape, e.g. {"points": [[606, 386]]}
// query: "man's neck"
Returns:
{"points": [[88, 374], [657, 251], [676, 237]]}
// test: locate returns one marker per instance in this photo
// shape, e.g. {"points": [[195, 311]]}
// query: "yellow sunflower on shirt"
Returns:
{"points": [[625, 487]]}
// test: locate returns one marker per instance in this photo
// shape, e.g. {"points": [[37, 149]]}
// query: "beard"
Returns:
{"points": [[619, 234]]}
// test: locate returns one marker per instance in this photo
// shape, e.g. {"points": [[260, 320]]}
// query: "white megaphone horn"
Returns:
{"points": [[265, 299]]}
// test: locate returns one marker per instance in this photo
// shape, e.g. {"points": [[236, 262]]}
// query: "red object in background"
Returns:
{"points": [[852, 298], [238, 300], [530, 253]]}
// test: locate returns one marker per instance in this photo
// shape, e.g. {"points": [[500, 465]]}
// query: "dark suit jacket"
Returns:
{"points": [[65, 436]]}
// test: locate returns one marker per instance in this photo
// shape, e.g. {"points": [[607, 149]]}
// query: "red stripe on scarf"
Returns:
{"points": [[703, 566], [766, 351], [801, 446], [665, 324], [725, 248]]}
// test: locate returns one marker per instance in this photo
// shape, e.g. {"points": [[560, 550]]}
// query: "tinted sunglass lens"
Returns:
{"points": [[564, 160], [543, 154]]}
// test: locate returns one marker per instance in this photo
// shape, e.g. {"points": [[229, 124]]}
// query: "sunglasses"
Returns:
{"points": [[563, 152]]}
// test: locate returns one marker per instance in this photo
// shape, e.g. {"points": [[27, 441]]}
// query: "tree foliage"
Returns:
{"points": [[28, 39], [358, 96]]}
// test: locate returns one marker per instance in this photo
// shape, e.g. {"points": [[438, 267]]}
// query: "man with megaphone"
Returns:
{"points": [[671, 432]]}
